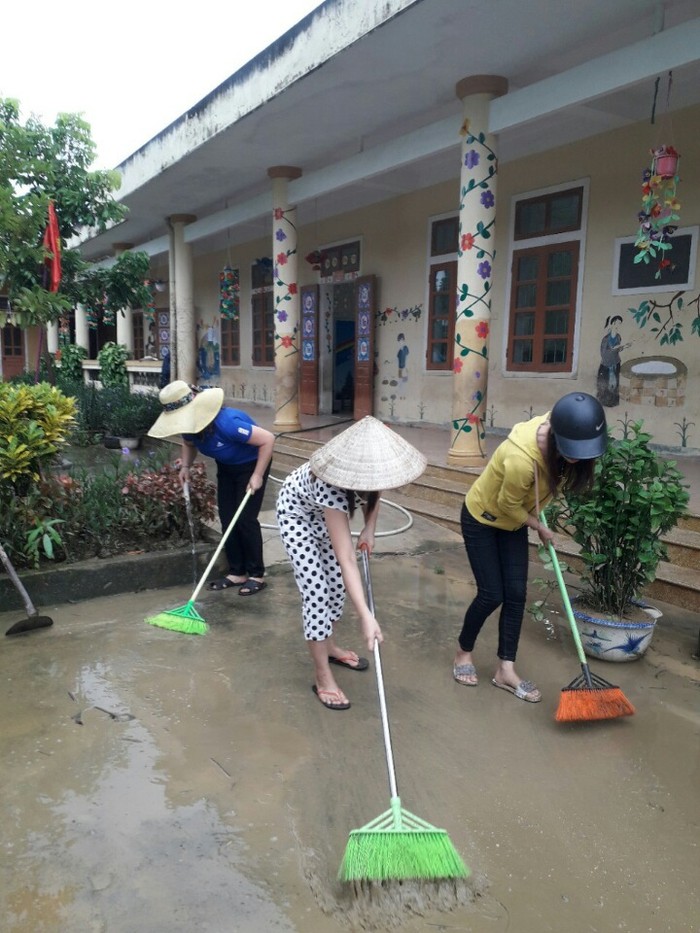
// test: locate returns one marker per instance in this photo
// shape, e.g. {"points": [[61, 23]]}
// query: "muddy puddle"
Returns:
{"points": [[160, 782]]}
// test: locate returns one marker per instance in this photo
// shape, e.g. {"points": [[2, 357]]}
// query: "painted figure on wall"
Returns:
{"points": [[209, 355], [401, 355], [608, 381]]}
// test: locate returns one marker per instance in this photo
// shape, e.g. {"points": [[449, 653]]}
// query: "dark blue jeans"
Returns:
{"points": [[499, 562], [244, 546]]}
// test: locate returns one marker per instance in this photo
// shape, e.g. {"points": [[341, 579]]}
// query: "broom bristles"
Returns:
{"points": [[186, 619], [400, 845], [400, 855], [580, 704]]}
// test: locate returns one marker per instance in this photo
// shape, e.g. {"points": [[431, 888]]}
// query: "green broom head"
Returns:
{"points": [[400, 846], [186, 619]]}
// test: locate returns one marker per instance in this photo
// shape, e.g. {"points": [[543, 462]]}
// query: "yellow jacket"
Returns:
{"points": [[504, 495]]}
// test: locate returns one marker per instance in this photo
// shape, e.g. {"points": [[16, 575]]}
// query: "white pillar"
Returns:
{"points": [[286, 298], [475, 269], [52, 336], [82, 334], [185, 325], [124, 316]]}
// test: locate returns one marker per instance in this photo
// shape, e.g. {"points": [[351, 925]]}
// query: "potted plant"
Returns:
{"points": [[637, 497], [127, 416]]}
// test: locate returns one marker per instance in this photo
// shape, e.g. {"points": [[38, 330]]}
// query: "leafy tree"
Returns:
{"points": [[39, 164]]}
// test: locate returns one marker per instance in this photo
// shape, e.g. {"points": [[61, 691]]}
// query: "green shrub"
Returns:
{"points": [[127, 414], [34, 423], [71, 369], [129, 506], [112, 359], [637, 497]]}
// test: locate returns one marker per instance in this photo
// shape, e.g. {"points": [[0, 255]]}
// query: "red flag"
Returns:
{"points": [[52, 246]]}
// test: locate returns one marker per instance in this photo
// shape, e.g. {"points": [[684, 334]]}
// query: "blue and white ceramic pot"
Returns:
{"points": [[613, 640]]}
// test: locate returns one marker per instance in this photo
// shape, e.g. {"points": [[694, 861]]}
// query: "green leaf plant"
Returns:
{"points": [[637, 497]]}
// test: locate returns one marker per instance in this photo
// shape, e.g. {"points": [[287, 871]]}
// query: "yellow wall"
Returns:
{"points": [[394, 238]]}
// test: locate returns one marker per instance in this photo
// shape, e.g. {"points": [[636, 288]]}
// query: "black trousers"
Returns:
{"points": [[499, 562], [244, 546]]}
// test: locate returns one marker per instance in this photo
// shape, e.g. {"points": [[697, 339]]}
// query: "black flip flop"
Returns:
{"points": [[250, 587], [225, 584], [362, 663]]}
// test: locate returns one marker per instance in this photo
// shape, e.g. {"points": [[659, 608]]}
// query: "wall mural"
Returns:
{"points": [[208, 348], [608, 380], [395, 372]]}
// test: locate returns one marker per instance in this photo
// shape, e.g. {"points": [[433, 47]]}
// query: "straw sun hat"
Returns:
{"points": [[186, 411], [368, 456]]}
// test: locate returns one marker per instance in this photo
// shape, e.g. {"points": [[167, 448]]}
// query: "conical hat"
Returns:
{"points": [[368, 456]]}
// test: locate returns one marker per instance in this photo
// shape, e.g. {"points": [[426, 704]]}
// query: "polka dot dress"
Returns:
{"points": [[300, 504]]}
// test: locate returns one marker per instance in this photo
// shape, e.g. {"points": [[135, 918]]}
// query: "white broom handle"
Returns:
{"points": [[380, 683], [12, 574], [244, 501]]}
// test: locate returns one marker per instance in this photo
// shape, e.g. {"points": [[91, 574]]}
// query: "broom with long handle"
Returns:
{"points": [[588, 696], [396, 845], [186, 619]]}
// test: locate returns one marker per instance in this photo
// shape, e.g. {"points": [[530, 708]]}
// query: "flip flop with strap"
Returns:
{"points": [[360, 664], [331, 694], [523, 691], [225, 584], [250, 587], [465, 670]]}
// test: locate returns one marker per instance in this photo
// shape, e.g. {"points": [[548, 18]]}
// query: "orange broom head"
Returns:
{"points": [[585, 704]]}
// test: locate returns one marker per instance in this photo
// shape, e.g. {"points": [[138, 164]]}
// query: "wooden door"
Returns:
{"points": [[12, 351], [365, 313], [308, 389]]}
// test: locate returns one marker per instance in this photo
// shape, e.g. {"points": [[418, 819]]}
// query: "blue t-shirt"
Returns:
{"points": [[227, 438]]}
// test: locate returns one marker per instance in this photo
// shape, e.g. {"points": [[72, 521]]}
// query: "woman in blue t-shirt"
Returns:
{"points": [[243, 453]]}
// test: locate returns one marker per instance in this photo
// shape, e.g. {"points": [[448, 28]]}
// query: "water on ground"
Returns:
{"points": [[160, 782]]}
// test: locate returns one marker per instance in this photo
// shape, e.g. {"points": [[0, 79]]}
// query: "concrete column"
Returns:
{"points": [[286, 298], [172, 304], [475, 269], [52, 336], [183, 339], [82, 333], [124, 316]]}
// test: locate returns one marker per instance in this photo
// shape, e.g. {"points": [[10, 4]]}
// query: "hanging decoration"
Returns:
{"points": [[315, 259], [109, 315], [149, 312], [229, 293], [659, 216], [92, 313]]}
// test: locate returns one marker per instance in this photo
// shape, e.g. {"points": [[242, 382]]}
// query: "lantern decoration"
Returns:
{"points": [[659, 216], [229, 293], [92, 315]]}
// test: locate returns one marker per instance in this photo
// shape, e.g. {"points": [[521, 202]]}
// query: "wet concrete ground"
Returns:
{"points": [[154, 781]]}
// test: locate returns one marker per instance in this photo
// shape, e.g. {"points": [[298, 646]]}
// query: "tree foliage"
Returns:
{"points": [[39, 164]]}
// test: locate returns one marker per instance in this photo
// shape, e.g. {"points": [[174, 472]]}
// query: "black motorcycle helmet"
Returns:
{"points": [[578, 424]]}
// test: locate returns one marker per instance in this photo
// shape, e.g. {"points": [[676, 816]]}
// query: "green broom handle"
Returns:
{"points": [[244, 501], [567, 604], [380, 686]]}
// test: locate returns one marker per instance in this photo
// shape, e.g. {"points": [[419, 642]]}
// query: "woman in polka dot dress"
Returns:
{"points": [[314, 508]]}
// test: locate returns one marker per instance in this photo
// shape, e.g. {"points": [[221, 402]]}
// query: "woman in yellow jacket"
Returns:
{"points": [[539, 458]]}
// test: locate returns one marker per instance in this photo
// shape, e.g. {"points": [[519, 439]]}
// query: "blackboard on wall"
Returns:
{"points": [[635, 278]]}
